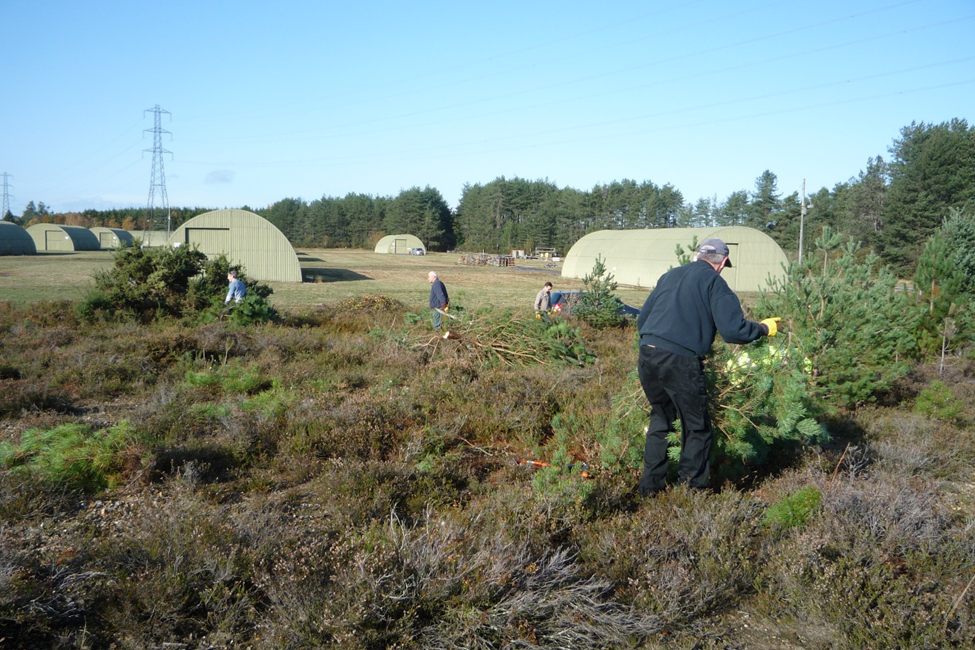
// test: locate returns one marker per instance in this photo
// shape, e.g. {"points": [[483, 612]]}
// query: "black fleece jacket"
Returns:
{"points": [[438, 295], [689, 305]]}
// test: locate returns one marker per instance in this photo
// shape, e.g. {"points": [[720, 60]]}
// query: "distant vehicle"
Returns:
{"points": [[417, 251], [568, 301]]}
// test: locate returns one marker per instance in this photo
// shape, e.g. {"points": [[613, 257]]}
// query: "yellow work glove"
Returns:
{"points": [[446, 307], [772, 325], [538, 316]]}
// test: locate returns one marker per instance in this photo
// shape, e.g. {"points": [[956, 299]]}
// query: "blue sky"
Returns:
{"points": [[269, 100]]}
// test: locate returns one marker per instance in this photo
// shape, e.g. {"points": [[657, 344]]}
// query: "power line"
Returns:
{"points": [[158, 177]]}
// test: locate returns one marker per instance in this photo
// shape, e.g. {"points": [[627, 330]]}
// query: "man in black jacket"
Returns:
{"points": [[439, 302], [678, 323]]}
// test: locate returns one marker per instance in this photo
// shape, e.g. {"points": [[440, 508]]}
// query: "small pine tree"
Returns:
{"points": [[684, 256], [943, 286], [849, 318], [959, 229], [759, 398], [599, 306]]}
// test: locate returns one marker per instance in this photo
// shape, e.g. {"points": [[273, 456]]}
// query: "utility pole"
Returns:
{"points": [[158, 178], [802, 218], [6, 197]]}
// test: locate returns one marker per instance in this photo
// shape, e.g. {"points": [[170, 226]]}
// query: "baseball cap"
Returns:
{"points": [[714, 246]]}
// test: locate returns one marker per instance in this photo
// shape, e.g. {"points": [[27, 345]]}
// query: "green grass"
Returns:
{"points": [[331, 275], [50, 276]]}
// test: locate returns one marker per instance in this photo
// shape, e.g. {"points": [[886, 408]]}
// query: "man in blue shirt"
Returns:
{"points": [[678, 323], [237, 289], [438, 299]]}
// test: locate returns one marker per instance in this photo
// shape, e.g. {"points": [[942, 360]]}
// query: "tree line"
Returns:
{"points": [[892, 206], [124, 218]]}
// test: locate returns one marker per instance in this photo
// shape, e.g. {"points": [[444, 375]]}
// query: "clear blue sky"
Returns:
{"points": [[269, 100]]}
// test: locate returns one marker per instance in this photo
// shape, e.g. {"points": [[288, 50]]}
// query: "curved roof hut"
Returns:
{"points": [[150, 238], [14, 240], [399, 244], [246, 239], [111, 238], [640, 257], [55, 237]]}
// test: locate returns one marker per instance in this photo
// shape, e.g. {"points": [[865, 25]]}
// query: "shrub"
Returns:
{"points": [[939, 402], [368, 304], [149, 283], [795, 509], [230, 379], [17, 396], [144, 283], [274, 402], [252, 309], [178, 571], [327, 483], [881, 565], [27, 497], [206, 292], [76, 456], [610, 439], [412, 584], [684, 556]]}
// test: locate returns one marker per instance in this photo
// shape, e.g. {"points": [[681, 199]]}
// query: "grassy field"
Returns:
{"points": [[331, 275]]}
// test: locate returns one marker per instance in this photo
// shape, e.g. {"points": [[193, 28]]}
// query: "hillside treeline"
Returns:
{"points": [[892, 206]]}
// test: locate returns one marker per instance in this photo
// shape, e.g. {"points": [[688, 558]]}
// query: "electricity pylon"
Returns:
{"points": [[160, 219], [6, 197]]}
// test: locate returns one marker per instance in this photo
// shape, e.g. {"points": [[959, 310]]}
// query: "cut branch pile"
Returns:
{"points": [[511, 340]]}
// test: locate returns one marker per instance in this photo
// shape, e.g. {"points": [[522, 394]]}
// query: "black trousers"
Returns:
{"points": [[675, 387]]}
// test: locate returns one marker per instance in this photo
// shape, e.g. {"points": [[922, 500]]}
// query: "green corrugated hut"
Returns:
{"points": [[49, 237], [247, 239], [399, 244], [639, 257], [150, 238], [14, 240], [111, 238]]}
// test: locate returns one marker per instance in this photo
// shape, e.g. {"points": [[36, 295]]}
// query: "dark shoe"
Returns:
{"points": [[649, 494], [693, 488]]}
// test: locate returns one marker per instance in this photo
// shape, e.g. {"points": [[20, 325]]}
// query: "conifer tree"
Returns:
{"points": [[959, 230], [848, 316], [943, 286], [759, 398], [599, 306]]}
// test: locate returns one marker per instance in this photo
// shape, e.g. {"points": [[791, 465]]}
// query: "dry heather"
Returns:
{"points": [[348, 480]]}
